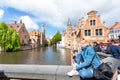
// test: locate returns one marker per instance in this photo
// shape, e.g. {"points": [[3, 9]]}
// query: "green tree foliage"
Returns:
{"points": [[3, 31], [56, 38], [13, 40], [9, 39]]}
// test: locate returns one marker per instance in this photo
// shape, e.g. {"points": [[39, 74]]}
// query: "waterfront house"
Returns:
{"points": [[115, 32], [37, 38], [22, 32], [92, 29]]}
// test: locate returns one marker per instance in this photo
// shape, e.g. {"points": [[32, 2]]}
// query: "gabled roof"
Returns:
{"points": [[16, 26], [35, 33], [116, 25], [92, 12]]}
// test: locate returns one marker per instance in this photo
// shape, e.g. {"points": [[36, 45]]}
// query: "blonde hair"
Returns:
{"points": [[87, 42]]}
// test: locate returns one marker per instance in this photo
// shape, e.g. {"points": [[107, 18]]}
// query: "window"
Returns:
{"points": [[25, 36], [116, 36], [87, 32], [17, 26], [112, 36], [118, 30], [98, 32], [92, 22], [111, 31]]}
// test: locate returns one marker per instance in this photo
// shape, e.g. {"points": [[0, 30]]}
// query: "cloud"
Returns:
{"points": [[1, 13], [56, 12], [29, 23]]}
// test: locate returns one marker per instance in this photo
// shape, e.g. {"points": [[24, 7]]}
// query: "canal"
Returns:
{"points": [[42, 56]]}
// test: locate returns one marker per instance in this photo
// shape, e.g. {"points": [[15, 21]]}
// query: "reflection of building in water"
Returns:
{"points": [[65, 55], [0, 49], [92, 29], [61, 44], [68, 56], [62, 53]]}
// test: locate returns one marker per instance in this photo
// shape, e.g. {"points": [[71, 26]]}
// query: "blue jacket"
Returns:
{"points": [[88, 58], [115, 51]]}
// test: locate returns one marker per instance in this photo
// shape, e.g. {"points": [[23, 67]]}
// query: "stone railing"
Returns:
{"points": [[36, 72], [43, 72]]}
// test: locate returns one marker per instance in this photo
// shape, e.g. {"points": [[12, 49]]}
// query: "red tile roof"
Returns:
{"points": [[116, 25], [35, 33], [15, 26]]}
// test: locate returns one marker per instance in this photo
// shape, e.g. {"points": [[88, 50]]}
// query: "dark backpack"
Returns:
{"points": [[103, 72], [108, 50]]}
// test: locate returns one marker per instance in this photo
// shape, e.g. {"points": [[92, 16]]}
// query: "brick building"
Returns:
{"points": [[92, 29], [37, 38], [22, 32], [115, 32]]}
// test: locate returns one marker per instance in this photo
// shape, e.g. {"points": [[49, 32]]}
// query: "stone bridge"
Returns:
{"points": [[44, 72]]}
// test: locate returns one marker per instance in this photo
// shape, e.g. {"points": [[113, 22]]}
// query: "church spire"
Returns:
{"points": [[43, 28], [69, 22]]}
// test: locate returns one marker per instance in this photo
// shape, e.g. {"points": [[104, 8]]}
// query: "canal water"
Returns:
{"points": [[42, 56]]}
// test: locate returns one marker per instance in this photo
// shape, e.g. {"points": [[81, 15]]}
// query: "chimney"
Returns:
{"points": [[15, 22], [104, 22], [98, 15], [20, 20]]}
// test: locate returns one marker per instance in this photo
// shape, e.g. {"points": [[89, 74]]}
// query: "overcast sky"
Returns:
{"points": [[55, 13]]}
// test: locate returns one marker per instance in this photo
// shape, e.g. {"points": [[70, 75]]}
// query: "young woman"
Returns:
{"points": [[86, 61]]}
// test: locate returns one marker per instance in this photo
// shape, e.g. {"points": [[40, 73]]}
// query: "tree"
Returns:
{"points": [[13, 40], [9, 39], [3, 31], [56, 38]]}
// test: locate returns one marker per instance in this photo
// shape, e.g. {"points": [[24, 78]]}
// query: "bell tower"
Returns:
{"points": [[42, 35], [43, 29], [69, 25]]}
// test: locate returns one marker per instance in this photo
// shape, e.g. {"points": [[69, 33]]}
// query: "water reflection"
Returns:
{"points": [[43, 56]]}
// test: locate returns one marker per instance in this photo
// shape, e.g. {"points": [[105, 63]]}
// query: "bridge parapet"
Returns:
{"points": [[44, 72], [37, 72]]}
